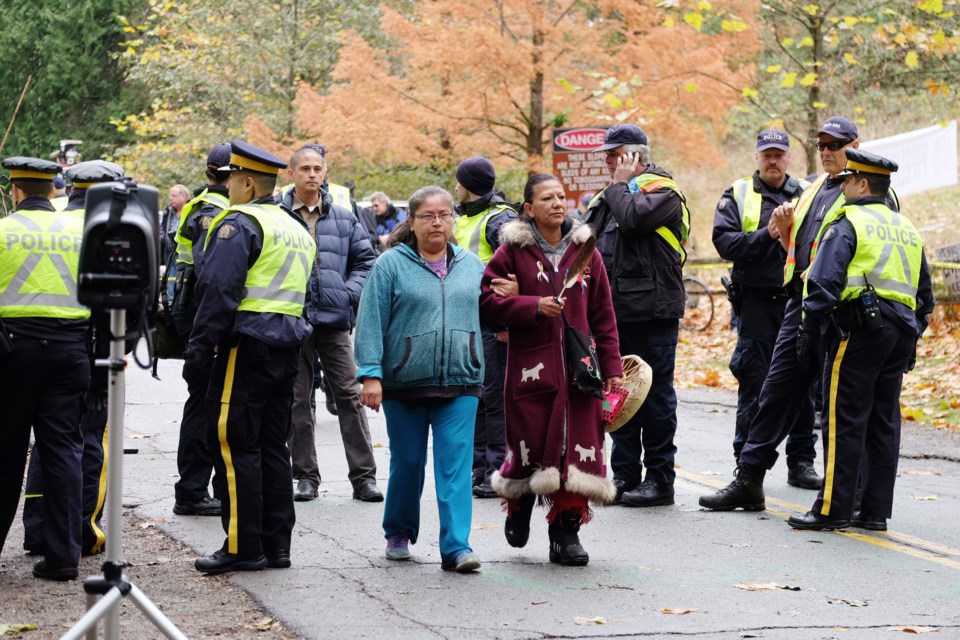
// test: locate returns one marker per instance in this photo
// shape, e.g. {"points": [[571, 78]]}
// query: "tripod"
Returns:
{"points": [[113, 586]]}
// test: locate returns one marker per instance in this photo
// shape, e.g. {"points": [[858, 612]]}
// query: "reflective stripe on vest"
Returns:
{"points": [[340, 195], [471, 231], [185, 244], [748, 202], [799, 213], [888, 257], [39, 261], [647, 182], [277, 281]]}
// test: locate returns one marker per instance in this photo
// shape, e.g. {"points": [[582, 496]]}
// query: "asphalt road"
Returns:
{"points": [[653, 573]]}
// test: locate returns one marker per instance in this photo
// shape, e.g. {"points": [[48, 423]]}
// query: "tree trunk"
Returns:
{"points": [[535, 127], [813, 111]]}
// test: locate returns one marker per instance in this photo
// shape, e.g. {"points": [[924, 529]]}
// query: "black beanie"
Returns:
{"points": [[476, 174]]}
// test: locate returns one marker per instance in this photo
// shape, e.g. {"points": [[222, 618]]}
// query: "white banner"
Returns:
{"points": [[927, 157]]}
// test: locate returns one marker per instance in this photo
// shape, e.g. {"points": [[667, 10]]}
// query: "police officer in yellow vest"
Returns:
{"points": [[480, 214], [194, 462], [787, 395], [742, 233], [44, 363], [868, 292], [93, 425], [641, 221], [246, 338]]}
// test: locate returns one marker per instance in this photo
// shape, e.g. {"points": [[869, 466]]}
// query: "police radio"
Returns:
{"points": [[120, 249], [870, 309]]}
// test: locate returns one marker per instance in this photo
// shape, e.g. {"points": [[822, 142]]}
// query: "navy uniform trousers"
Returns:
{"points": [[248, 420], [761, 317], [42, 383], [787, 395], [490, 434], [93, 426], [862, 378]]}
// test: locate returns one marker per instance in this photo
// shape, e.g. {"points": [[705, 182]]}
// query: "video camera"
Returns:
{"points": [[119, 255]]}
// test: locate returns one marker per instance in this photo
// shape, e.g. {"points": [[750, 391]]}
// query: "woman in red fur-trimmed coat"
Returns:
{"points": [[554, 431]]}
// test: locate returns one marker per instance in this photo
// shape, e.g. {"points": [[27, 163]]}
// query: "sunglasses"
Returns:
{"points": [[833, 145]]}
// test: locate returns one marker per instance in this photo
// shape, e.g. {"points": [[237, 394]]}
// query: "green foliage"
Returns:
{"points": [[77, 84]]}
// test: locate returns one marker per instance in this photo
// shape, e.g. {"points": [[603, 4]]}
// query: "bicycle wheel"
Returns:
{"points": [[698, 312]]}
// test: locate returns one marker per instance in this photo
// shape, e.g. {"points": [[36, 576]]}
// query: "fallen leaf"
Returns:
{"points": [[711, 473], [403, 592], [912, 629], [930, 497], [540, 602], [377, 445], [435, 586], [263, 624], [740, 545], [8, 627], [678, 612], [484, 525], [138, 436], [584, 621], [765, 586], [852, 603], [152, 523]]}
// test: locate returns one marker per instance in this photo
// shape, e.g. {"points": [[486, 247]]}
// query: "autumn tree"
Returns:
{"points": [[495, 76], [210, 65], [868, 59]]}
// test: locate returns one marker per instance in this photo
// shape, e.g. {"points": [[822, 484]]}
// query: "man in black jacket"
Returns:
{"points": [[344, 258], [641, 222]]}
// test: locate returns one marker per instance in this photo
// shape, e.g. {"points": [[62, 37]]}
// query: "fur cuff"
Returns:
{"points": [[545, 482], [598, 490], [508, 487]]}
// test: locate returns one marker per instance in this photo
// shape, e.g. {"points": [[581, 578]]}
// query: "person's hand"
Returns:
{"points": [[772, 229], [805, 353], [912, 362], [549, 307], [371, 393], [628, 166], [502, 336], [505, 287], [782, 220], [612, 382], [196, 368]]}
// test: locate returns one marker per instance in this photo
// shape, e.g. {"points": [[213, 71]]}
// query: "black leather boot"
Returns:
{"points": [[565, 546], [517, 527], [745, 492]]}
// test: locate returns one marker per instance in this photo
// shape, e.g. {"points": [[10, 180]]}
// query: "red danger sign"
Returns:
{"points": [[578, 139]]}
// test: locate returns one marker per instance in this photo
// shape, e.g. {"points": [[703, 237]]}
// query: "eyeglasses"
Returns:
{"points": [[833, 145], [433, 217]]}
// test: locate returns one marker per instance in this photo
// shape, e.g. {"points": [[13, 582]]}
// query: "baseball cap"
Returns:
{"points": [[621, 134]]}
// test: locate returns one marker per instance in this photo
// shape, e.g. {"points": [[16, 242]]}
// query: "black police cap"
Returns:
{"points": [[861, 161], [246, 157], [31, 169], [85, 174]]}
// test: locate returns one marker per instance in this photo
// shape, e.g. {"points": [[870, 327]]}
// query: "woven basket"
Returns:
{"points": [[637, 377]]}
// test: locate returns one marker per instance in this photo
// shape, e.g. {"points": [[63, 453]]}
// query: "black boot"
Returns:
{"points": [[565, 546], [517, 526], [745, 492]]}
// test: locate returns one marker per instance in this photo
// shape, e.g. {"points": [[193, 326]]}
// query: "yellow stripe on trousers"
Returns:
{"points": [[233, 542], [101, 495], [832, 429]]}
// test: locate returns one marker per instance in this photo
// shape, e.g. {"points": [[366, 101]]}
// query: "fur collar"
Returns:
{"points": [[519, 233]]}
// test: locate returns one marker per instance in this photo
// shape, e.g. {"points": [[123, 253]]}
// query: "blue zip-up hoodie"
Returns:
{"points": [[418, 334]]}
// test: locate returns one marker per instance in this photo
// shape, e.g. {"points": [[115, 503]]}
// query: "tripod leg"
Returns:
{"points": [[96, 613], [91, 603], [156, 616]]}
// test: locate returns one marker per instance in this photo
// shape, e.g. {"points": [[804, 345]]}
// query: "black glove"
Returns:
{"points": [[805, 353], [196, 368], [913, 359]]}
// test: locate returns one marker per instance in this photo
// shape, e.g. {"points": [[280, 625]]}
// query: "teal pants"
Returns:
{"points": [[408, 426]]}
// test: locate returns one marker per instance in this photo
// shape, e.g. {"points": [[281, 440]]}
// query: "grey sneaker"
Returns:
{"points": [[464, 563], [397, 547]]}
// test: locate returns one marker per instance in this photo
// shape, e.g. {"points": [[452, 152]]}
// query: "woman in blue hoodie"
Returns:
{"points": [[419, 354]]}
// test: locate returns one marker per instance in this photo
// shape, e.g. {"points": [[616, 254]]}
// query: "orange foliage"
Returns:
{"points": [[493, 77]]}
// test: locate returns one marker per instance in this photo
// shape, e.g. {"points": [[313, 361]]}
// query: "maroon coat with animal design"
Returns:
{"points": [[554, 432]]}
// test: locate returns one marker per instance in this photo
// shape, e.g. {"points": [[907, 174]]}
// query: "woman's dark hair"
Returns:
{"points": [[533, 181], [403, 232]]}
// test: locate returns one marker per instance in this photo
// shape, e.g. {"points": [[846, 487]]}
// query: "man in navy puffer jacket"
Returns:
{"points": [[344, 258]]}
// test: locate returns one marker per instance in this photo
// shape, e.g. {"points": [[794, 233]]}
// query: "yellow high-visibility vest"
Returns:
{"points": [[185, 244], [471, 231]]}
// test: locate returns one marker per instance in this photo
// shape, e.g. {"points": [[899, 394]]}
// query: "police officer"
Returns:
{"points": [[641, 221], [869, 293], [246, 339], [44, 364], [480, 214], [93, 425], [787, 394], [194, 463], [742, 233]]}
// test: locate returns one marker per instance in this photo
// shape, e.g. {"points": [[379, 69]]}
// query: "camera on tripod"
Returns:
{"points": [[119, 261]]}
